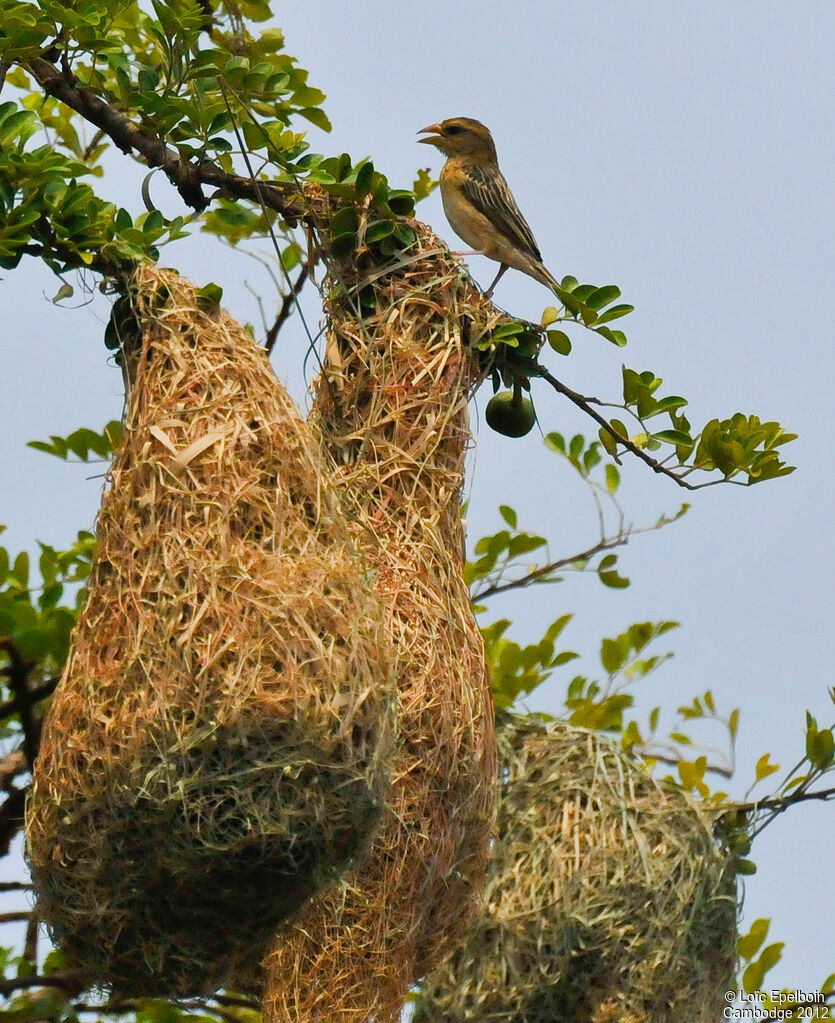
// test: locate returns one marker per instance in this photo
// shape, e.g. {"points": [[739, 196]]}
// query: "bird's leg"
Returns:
{"points": [[496, 279]]}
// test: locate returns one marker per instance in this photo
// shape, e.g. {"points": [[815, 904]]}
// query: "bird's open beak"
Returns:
{"points": [[435, 137]]}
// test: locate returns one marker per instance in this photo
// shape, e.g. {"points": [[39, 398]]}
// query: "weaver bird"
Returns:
{"points": [[478, 202]]}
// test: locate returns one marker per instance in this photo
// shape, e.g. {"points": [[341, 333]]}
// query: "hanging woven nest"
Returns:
{"points": [[391, 410], [218, 748], [608, 899]]}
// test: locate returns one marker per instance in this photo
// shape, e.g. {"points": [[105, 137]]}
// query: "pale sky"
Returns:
{"points": [[683, 151]]}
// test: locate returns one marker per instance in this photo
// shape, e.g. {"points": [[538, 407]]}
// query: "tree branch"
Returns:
{"points": [[554, 566], [584, 404], [781, 803], [287, 305], [17, 672], [11, 766], [18, 916], [11, 818], [199, 1004], [32, 697], [187, 178], [70, 981], [30, 945]]}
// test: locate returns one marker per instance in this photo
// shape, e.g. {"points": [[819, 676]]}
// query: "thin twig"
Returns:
{"points": [[189, 1005], [288, 303], [781, 803], [663, 758], [553, 566], [584, 403], [33, 696], [30, 945], [237, 1003], [11, 818], [91, 145], [16, 917], [68, 981]]}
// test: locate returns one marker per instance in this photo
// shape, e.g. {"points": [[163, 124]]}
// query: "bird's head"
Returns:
{"points": [[461, 136]]}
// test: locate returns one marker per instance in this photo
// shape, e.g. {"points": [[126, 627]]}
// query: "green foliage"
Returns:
{"points": [[424, 184], [749, 946], [496, 553], [820, 747], [736, 446], [516, 670], [370, 228], [601, 705], [587, 304], [34, 617], [187, 79], [83, 443]]}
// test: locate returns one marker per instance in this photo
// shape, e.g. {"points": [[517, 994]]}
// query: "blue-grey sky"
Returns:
{"points": [[683, 151]]}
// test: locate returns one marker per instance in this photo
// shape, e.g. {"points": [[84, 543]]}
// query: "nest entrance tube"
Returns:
{"points": [[608, 899], [218, 747], [391, 411]]}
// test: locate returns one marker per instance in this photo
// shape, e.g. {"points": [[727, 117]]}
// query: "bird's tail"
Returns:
{"points": [[547, 278]]}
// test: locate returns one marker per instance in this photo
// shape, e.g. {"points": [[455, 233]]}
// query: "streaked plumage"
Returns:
{"points": [[478, 202]]}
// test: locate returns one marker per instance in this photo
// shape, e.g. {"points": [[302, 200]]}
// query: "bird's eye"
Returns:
{"points": [[453, 129]]}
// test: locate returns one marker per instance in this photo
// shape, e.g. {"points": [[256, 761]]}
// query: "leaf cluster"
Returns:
{"points": [[34, 617]]}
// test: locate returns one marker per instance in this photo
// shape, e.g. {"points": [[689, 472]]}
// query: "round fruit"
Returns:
{"points": [[510, 414]]}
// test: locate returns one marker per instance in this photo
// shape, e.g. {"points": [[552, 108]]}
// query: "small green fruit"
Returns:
{"points": [[510, 414]]}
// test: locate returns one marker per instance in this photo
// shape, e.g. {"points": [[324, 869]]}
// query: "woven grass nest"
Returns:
{"points": [[219, 746], [391, 411], [608, 900]]}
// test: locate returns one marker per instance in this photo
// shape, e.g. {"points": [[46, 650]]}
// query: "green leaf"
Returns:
{"points": [[364, 176], [612, 655], [820, 747], [764, 768], [600, 297], [345, 221], [609, 443], [209, 296], [615, 313], [524, 543], [509, 515], [508, 330], [752, 978], [559, 341], [617, 337], [613, 580], [673, 437], [424, 184], [750, 943]]}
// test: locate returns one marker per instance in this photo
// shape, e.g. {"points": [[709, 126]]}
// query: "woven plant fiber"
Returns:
{"points": [[391, 410], [219, 746], [608, 899]]}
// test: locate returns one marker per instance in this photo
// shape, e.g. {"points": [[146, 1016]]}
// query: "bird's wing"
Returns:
{"points": [[487, 190]]}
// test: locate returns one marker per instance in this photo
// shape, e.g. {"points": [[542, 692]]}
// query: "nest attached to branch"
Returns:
{"points": [[608, 899], [391, 410], [219, 746]]}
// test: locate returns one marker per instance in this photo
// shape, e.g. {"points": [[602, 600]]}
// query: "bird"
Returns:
{"points": [[478, 202]]}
